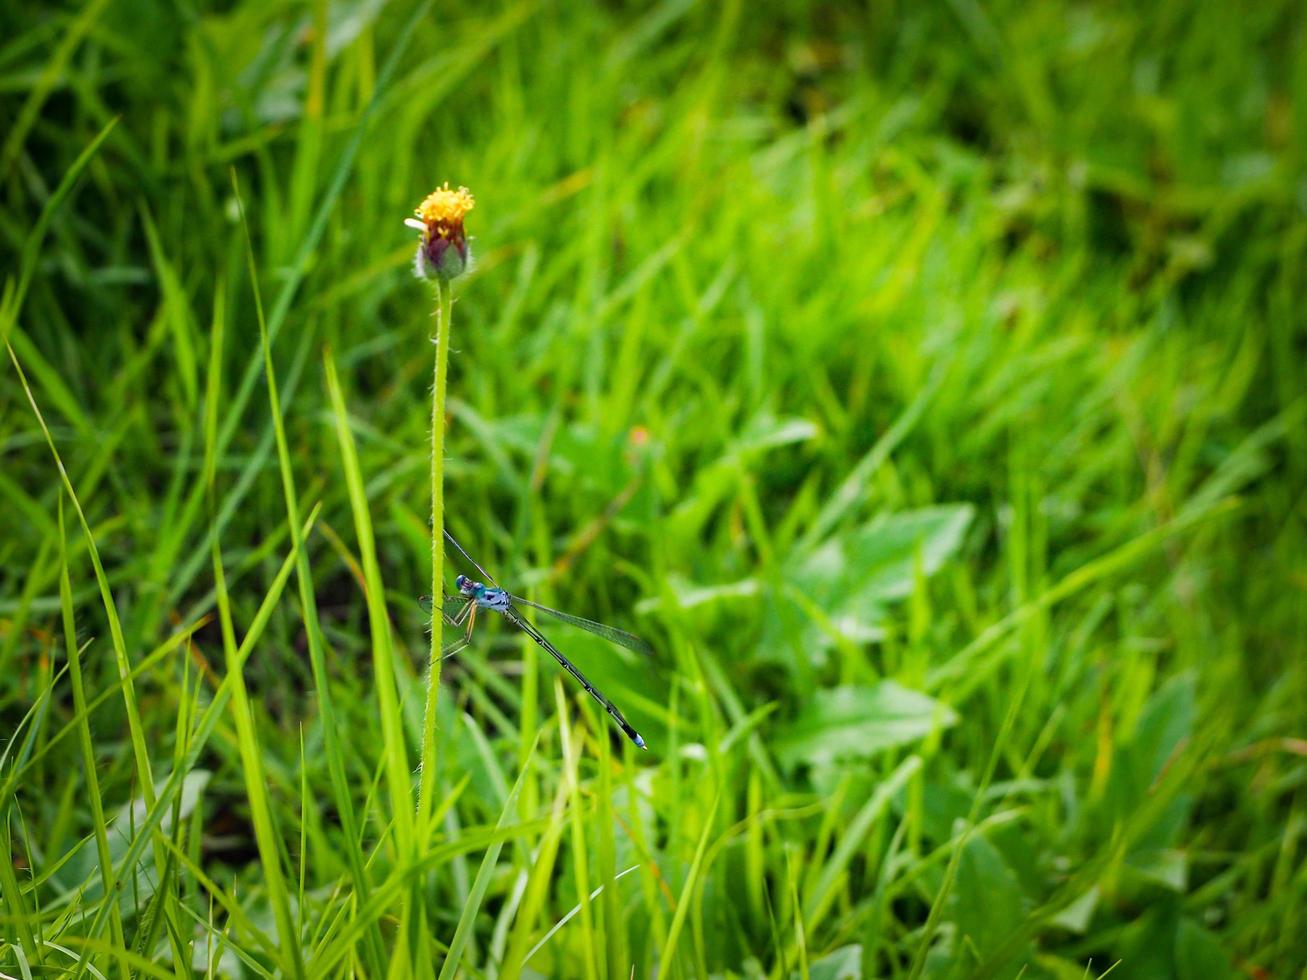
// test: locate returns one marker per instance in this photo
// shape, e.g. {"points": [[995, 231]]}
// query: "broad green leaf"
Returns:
{"points": [[878, 562], [1165, 725], [1166, 722], [1077, 916], [1146, 946], [844, 963], [987, 902], [1199, 955], [850, 579], [1168, 868], [859, 722], [80, 874]]}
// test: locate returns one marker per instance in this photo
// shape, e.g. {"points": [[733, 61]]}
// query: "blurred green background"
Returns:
{"points": [[926, 382]]}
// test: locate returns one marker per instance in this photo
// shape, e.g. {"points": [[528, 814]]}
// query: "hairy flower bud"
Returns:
{"points": [[443, 252]]}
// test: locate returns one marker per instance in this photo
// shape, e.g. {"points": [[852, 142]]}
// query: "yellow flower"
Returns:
{"points": [[442, 250]]}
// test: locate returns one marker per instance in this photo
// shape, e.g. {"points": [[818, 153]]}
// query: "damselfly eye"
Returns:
{"points": [[462, 583]]}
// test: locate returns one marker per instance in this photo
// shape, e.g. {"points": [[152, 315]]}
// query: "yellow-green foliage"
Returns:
{"points": [[926, 381]]}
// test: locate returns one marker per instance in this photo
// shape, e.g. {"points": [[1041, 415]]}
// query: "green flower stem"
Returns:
{"points": [[426, 788]]}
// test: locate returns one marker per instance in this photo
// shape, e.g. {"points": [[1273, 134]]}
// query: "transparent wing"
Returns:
{"points": [[610, 633], [452, 607], [486, 577], [514, 617]]}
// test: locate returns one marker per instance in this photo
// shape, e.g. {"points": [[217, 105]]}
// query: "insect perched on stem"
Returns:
{"points": [[460, 611]]}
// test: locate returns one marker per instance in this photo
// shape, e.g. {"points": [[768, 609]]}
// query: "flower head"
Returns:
{"points": [[442, 250]]}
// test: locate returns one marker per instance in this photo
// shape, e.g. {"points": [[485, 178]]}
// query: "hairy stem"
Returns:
{"points": [[443, 310]]}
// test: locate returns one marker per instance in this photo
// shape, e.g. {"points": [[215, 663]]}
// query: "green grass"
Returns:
{"points": [[927, 383]]}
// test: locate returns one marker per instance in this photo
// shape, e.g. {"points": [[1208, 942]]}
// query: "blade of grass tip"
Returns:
{"points": [[687, 890], [16, 292], [507, 816], [392, 732], [99, 825], [255, 785], [309, 608]]}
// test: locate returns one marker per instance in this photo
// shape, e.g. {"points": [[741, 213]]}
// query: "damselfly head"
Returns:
{"points": [[463, 584]]}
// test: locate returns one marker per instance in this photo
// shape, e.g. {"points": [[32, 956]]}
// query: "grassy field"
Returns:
{"points": [[928, 383]]}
